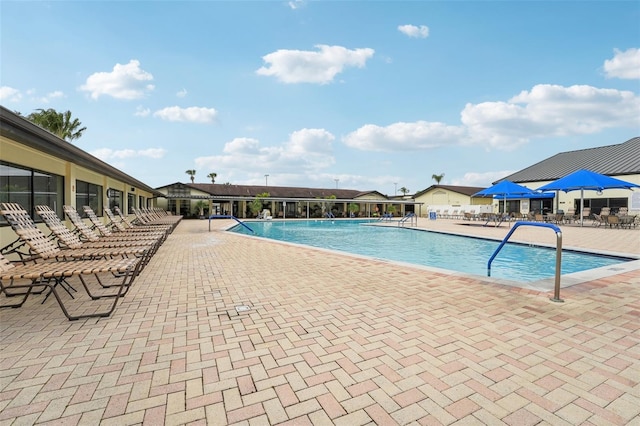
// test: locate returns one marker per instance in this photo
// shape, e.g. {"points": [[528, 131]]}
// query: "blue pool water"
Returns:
{"points": [[457, 253]]}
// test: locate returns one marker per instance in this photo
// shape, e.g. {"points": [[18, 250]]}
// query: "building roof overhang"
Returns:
{"points": [[21, 130], [311, 200]]}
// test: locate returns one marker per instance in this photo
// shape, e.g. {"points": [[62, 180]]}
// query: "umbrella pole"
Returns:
{"points": [[581, 206]]}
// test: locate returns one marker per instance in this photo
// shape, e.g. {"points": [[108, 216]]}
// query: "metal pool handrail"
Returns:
{"points": [[556, 292], [228, 216], [408, 217]]}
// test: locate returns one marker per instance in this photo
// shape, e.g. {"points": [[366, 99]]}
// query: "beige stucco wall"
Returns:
{"points": [[565, 200], [446, 197], [21, 155]]}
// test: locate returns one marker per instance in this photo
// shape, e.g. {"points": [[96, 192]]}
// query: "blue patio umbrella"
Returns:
{"points": [[505, 188], [586, 179]]}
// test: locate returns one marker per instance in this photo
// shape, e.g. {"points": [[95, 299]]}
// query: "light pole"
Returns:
{"points": [[266, 182], [395, 186], [337, 180]]}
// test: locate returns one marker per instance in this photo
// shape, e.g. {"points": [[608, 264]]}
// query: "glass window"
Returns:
{"points": [[141, 201], [29, 188], [16, 185], [179, 190], [171, 205], [596, 204], [88, 194], [541, 205], [131, 202], [115, 198]]}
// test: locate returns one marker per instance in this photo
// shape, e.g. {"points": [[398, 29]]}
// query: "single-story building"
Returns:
{"points": [[447, 198], [37, 167], [621, 161], [249, 201]]}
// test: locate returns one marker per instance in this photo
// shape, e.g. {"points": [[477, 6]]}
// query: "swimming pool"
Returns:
{"points": [[515, 262]]}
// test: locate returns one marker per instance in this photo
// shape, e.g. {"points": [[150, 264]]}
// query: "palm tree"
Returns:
{"points": [[437, 178], [404, 190], [257, 205], [59, 123], [353, 209], [201, 205], [192, 174], [213, 177]]}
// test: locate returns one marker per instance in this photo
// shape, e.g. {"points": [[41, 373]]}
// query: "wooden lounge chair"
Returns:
{"points": [[42, 247], [119, 225], [85, 233], [168, 228], [105, 230], [68, 239], [155, 216], [38, 276]]}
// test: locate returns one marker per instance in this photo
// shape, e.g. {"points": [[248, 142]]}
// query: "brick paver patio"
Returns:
{"points": [[328, 339]]}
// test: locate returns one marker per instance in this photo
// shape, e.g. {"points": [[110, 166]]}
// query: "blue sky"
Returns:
{"points": [[363, 95]]}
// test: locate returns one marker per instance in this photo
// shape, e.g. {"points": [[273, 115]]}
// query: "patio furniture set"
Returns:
{"points": [[103, 259]]}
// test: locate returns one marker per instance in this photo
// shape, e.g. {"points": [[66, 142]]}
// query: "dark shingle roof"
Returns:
{"points": [[611, 160], [224, 190], [465, 190]]}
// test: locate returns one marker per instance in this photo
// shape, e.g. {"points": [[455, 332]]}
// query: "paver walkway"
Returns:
{"points": [[327, 339]]}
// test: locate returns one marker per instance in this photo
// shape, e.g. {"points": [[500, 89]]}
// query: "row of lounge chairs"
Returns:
{"points": [[103, 257]]}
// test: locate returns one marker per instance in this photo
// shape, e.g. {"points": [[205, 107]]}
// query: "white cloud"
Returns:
{"points": [[14, 95], [47, 98], [242, 146], [296, 4], [404, 136], [549, 110], [126, 82], [298, 66], [152, 152], [190, 114], [142, 111], [55, 94], [307, 151], [484, 179], [106, 154], [310, 141], [10, 94], [182, 93], [414, 31], [544, 111], [624, 65]]}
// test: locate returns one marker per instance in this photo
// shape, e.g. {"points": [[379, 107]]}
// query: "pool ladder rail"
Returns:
{"points": [[409, 217], [556, 291], [388, 217], [228, 216]]}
